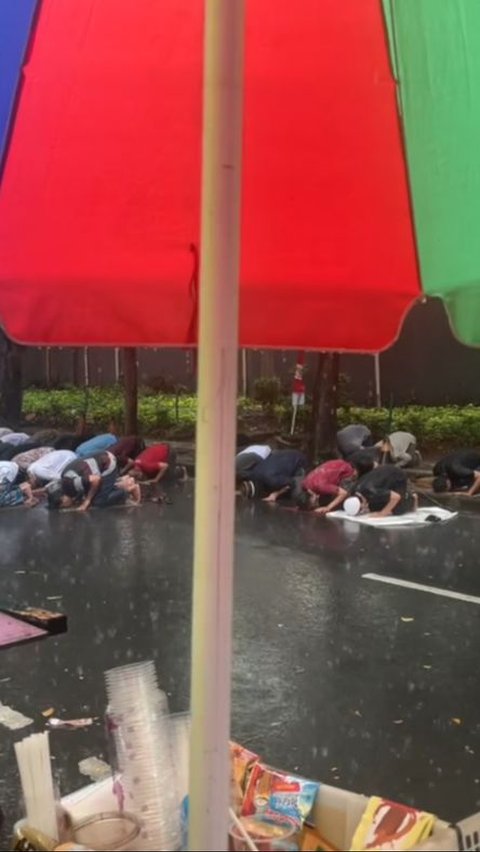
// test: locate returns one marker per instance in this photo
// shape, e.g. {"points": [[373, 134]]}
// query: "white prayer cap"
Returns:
{"points": [[352, 506]]}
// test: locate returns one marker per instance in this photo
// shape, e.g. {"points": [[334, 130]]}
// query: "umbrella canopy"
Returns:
{"points": [[100, 197], [436, 60], [15, 23], [99, 221]]}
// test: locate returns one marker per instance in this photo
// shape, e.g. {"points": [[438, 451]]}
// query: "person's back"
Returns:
{"points": [[385, 490], [278, 474], [466, 458], [248, 459], [15, 438], [148, 461], [457, 470], [352, 438], [281, 463], [28, 457], [96, 445], [50, 466], [263, 451], [404, 448], [386, 477], [326, 478]]}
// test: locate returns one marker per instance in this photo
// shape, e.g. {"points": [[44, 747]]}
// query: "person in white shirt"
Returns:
{"points": [[11, 493], [400, 449], [49, 467], [246, 459]]}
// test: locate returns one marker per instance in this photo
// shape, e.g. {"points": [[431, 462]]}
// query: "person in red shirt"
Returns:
{"points": [[327, 486], [155, 463]]}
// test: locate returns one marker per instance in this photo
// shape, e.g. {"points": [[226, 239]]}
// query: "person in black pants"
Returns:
{"points": [[458, 471], [277, 476]]}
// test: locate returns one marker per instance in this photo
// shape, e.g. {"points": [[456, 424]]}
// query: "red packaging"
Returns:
{"points": [[270, 791]]}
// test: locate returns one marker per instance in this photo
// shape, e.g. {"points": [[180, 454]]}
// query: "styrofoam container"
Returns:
{"points": [[336, 813]]}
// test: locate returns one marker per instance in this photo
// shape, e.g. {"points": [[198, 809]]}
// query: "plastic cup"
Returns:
{"points": [[110, 831], [269, 834]]}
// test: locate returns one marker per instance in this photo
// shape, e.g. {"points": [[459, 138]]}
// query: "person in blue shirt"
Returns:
{"points": [[98, 444]]}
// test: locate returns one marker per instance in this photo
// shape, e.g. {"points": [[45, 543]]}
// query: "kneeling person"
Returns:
{"points": [[330, 483], [353, 438], [91, 482], [383, 492], [327, 482], [12, 493], [247, 459], [400, 448], [277, 475], [155, 463], [458, 471]]}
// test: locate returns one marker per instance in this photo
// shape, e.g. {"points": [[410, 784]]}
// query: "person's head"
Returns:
{"points": [[129, 484], [306, 500], [441, 484], [137, 473], [363, 462], [56, 498]]}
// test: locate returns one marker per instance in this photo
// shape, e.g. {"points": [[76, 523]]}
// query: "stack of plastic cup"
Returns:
{"points": [[180, 727], [139, 711]]}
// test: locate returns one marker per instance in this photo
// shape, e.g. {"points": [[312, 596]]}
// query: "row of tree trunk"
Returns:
{"points": [[10, 380], [323, 424]]}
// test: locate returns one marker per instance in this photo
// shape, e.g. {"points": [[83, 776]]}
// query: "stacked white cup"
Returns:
{"points": [[140, 713]]}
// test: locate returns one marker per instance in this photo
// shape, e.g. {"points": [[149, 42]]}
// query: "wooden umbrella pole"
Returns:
{"points": [[216, 424]]}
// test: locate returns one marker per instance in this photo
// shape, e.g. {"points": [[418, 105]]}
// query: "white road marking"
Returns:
{"points": [[419, 587]]}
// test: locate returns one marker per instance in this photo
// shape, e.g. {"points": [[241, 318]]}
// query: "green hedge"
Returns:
{"points": [[102, 405], [432, 425]]}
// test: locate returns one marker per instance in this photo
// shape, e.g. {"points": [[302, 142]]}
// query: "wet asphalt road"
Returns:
{"points": [[328, 679]]}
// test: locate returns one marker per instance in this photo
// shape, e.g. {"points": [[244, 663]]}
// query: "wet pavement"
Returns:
{"points": [[328, 679]]}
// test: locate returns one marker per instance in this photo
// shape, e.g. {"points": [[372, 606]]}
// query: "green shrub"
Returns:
{"points": [[433, 426], [267, 391]]}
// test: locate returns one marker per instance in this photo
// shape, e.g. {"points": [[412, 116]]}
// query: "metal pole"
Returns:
{"points": [[244, 373], [130, 390], [48, 367], [116, 352], [216, 425], [378, 386], [86, 367]]}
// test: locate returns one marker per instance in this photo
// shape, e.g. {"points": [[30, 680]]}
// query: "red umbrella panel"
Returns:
{"points": [[100, 198]]}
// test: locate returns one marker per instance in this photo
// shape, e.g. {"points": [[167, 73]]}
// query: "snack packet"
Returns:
{"points": [[270, 791], [242, 762], [386, 825]]}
